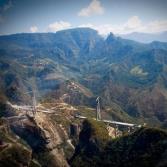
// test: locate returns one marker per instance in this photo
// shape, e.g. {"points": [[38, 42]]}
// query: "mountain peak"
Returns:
{"points": [[110, 37]]}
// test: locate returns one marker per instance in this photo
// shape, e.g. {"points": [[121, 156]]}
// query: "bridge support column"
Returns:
{"points": [[98, 113], [116, 130]]}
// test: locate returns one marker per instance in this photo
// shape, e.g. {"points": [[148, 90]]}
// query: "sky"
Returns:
{"points": [[117, 16]]}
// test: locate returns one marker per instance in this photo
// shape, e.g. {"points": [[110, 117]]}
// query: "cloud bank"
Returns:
{"points": [[133, 24]]}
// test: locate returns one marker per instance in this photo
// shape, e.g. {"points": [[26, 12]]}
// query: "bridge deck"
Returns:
{"points": [[111, 122]]}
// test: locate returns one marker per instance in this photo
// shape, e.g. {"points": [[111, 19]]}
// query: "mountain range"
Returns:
{"points": [[77, 65], [146, 37]]}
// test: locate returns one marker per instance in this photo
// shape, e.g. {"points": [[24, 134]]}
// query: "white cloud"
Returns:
{"points": [[157, 26], [34, 29], [92, 9], [133, 24], [56, 26]]}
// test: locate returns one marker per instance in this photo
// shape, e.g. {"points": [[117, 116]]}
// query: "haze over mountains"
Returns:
{"points": [[68, 70], [129, 76], [146, 37]]}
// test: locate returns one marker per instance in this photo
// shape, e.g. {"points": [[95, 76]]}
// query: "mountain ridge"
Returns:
{"points": [[96, 149], [119, 70], [146, 37]]}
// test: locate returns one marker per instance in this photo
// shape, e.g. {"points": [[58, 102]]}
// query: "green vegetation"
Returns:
{"points": [[147, 147], [92, 140], [95, 130], [14, 151], [45, 159], [61, 119], [15, 155], [78, 65], [87, 111]]}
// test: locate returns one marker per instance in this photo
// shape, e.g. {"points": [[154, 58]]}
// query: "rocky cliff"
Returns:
{"points": [[145, 147], [47, 140]]}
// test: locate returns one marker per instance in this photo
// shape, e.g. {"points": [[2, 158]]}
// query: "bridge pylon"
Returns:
{"points": [[98, 112]]}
